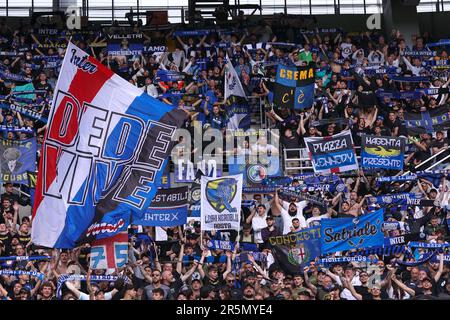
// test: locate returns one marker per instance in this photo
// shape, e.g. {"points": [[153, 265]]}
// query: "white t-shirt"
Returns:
{"points": [[258, 223], [314, 221], [287, 218], [346, 294], [84, 296]]}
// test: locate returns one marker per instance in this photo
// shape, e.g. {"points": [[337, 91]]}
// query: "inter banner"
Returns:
{"points": [[294, 87], [104, 153], [382, 152], [352, 233], [332, 154], [17, 157], [125, 44], [221, 202], [428, 121], [169, 208]]}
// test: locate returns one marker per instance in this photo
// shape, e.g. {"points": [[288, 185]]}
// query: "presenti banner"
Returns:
{"points": [[352, 233], [382, 152], [221, 202], [332, 154]]}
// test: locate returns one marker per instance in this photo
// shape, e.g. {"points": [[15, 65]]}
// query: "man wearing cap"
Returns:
{"points": [[270, 231]]}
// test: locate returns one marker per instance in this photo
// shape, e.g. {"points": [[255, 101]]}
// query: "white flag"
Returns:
{"points": [[233, 86], [221, 202]]}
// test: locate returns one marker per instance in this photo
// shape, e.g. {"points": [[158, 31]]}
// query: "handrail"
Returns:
{"points": [[438, 162], [422, 163]]}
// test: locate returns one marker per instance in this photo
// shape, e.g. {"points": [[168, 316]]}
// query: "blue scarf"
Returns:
{"points": [[16, 129], [13, 77], [19, 272], [79, 277]]}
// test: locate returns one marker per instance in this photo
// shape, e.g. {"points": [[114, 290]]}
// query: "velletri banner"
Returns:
{"points": [[382, 152], [125, 44], [294, 86], [221, 202], [332, 154], [352, 233]]}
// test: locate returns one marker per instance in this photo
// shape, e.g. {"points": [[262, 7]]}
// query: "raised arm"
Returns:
{"points": [[228, 269], [441, 267]]}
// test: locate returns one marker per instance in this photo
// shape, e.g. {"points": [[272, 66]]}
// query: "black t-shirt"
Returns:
{"points": [[364, 292], [291, 143], [215, 283], [357, 133], [391, 125], [6, 240], [24, 239]]}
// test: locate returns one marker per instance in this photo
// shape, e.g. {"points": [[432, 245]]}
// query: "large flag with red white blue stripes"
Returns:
{"points": [[104, 153]]}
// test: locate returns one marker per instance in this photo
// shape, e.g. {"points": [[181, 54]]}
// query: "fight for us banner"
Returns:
{"points": [[104, 152], [125, 44], [382, 152], [352, 233], [17, 157], [332, 154], [294, 87], [169, 208], [221, 202]]}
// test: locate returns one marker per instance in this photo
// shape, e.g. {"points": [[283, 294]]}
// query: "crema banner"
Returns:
{"points": [[294, 87], [169, 208], [332, 154], [221, 202], [382, 152], [352, 233]]}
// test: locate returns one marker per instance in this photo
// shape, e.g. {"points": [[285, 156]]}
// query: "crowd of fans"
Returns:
{"points": [[181, 266]]}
